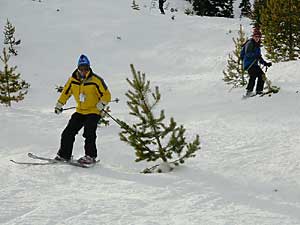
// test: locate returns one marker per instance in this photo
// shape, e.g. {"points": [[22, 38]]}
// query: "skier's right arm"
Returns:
{"points": [[65, 95]]}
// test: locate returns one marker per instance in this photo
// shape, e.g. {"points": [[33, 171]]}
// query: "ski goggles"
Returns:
{"points": [[83, 68]]}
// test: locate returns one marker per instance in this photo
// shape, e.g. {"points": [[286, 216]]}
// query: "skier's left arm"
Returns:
{"points": [[65, 95], [262, 61], [103, 95]]}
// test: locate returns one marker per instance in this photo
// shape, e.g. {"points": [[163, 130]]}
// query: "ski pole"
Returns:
{"points": [[251, 64], [116, 100], [114, 119], [265, 78], [69, 108], [124, 125]]}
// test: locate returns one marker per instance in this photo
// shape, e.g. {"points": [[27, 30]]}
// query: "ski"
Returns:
{"points": [[32, 163], [71, 162], [50, 161], [272, 90], [269, 93], [33, 156]]}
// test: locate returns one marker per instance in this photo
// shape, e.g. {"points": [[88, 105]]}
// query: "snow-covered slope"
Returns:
{"points": [[247, 172]]}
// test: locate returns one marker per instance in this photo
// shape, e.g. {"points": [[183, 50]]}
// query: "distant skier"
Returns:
{"points": [[161, 6], [252, 55], [91, 95]]}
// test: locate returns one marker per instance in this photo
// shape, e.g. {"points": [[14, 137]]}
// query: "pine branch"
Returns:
{"points": [[9, 38]]}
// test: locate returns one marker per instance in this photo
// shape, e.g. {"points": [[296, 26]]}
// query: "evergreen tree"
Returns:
{"points": [[223, 8], [9, 38], [245, 7], [220, 8], [280, 21], [234, 73], [203, 7], [12, 88], [228, 9], [149, 135], [258, 5]]}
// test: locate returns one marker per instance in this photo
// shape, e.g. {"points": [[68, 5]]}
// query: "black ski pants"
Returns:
{"points": [[77, 121], [255, 72], [161, 6]]}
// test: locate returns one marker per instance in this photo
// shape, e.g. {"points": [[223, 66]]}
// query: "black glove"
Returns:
{"points": [[268, 64]]}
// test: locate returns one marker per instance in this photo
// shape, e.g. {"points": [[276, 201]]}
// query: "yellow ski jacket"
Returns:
{"points": [[87, 92]]}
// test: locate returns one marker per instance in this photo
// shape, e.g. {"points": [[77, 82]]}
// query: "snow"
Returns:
{"points": [[247, 172]]}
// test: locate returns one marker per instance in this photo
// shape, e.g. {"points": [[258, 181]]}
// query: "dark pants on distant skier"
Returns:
{"points": [[255, 72], [161, 6], [77, 121]]}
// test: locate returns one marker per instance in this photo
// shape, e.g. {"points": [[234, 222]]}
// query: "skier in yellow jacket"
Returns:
{"points": [[91, 95]]}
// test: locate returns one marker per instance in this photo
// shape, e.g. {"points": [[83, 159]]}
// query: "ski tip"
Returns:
{"points": [[31, 155]]}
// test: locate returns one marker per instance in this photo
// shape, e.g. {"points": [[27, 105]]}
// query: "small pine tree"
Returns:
{"points": [[280, 21], [9, 38], [234, 73], [135, 6], [245, 7], [12, 88], [148, 136]]}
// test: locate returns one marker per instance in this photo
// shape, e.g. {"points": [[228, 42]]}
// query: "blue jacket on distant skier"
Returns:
{"points": [[251, 54]]}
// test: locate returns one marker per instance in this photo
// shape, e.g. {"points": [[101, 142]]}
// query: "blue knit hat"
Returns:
{"points": [[83, 60]]}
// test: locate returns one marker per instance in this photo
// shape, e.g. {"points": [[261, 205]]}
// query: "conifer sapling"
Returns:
{"points": [[234, 73], [12, 88], [149, 136]]}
